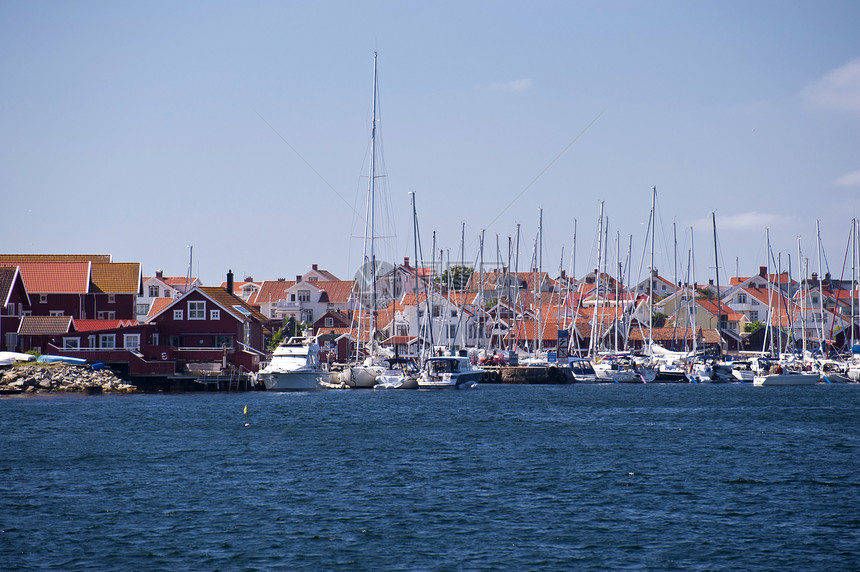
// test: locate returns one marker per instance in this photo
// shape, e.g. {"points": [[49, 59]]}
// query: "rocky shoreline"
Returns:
{"points": [[61, 378]]}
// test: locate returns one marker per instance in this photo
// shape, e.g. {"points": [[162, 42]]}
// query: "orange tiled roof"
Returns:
{"points": [[158, 304], [94, 325], [116, 277], [55, 257], [338, 291], [55, 277], [274, 290]]}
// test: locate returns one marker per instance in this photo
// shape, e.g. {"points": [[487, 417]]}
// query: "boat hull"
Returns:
{"points": [[294, 381], [786, 379]]}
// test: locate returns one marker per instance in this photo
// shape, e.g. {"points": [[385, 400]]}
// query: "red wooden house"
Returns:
{"points": [[14, 303]]}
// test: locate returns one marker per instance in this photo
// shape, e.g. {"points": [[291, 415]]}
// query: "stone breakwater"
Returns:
{"points": [[61, 378]]}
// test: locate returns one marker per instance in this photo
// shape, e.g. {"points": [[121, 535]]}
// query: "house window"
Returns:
{"points": [[754, 302], [111, 298], [452, 331], [106, 315], [307, 316], [71, 343], [107, 341], [753, 316], [273, 313], [56, 313], [142, 309], [155, 339], [43, 298], [153, 291], [304, 295], [214, 314], [402, 330], [197, 310], [10, 309], [177, 315], [224, 341], [329, 322], [453, 313], [742, 298], [131, 341], [436, 311], [815, 299]]}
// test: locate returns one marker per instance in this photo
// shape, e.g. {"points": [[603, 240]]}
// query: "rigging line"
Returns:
{"points": [[317, 173], [545, 169]]}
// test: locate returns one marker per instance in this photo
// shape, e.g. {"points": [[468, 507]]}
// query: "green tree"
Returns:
{"points": [[459, 277], [753, 326]]}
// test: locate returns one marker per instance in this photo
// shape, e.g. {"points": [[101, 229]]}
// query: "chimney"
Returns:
{"points": [[655, 272], [563, 276], [230, 281], [710, 281], [815, 277], [405, 261], [159, 273], [762, 271], [298, 278], [827, 276], [315, 266]]}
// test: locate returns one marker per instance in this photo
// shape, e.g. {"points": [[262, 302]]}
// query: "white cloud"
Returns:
{"points": [[838, 90], [748, 221], [848, 180], [516, 85]]}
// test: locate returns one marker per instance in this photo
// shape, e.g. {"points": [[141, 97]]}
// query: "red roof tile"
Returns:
{"points": [[54, 277]]}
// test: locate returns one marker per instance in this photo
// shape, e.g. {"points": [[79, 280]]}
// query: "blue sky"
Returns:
{"points": [[242, 128]]}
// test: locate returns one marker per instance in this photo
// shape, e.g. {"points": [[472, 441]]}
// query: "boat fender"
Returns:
{"points": [[164, 356]]}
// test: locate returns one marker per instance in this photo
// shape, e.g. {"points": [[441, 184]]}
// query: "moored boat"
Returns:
{"points": [[295, 366], [449, 372]]}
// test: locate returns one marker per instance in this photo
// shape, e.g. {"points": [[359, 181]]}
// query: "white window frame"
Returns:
{"points": [[71, 343], [214, 314], [43, 298], [196, 310], [111, 298], [329, 322], [153, 291], [56, 313], [142, 306], [111, 338], [178, 315], [106, 315], [131, 341], [304, 295]]}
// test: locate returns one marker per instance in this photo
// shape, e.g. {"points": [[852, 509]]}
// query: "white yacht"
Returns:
{"points": [[449, 371], [777, 373], [295, 366]]}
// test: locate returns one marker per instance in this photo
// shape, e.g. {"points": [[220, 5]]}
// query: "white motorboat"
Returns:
{"points": [[449, 372], [582, 370], [295, 366], [616, 369], [787, 378], [401, 373]]}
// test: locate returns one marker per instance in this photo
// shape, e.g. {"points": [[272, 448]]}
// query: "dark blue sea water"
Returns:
{"points": [[678, 477]]}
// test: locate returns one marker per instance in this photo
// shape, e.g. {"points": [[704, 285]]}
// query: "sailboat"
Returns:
{"points": [[365, 373]]}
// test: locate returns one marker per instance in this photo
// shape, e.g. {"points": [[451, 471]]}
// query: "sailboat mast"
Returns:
{"points": [[820, 287], [372, 207], [651, 277], [592, 350], [802, 297], [717, 270]]}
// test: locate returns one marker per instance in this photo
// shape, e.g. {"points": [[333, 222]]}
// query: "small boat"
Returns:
{"points": [[449, 372], [295, 366], [61, 359], [786, 378], [8, 358], [400, 373], [617, 369], [582, 370]]}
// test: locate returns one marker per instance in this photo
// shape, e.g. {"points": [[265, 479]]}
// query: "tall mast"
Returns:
{"points": [[802, 297], [719, 292], [651, 277], [592, 350], [767, 333], [617, 284], [820, 286], [372, 208]]}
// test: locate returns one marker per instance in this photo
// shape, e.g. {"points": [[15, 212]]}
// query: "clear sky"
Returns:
{"points": [[139, 128]]}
